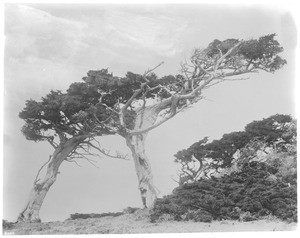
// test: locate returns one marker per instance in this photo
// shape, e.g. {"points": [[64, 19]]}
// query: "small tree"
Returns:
{"points": [[68, 122], [144, 102], [204, 159]]}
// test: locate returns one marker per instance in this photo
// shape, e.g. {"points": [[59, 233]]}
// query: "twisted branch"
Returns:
{"points": [[38, 173]]}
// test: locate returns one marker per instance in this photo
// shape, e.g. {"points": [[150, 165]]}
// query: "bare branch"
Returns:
{"points": [[184, 70], [51, 142], [229, 74], [89, 160], [76, 154], [224, 80], [151, 70], [173, 112], [219, 61], [135, 94], [73, 161], [138, 91], [37, 175], [102, 151]]}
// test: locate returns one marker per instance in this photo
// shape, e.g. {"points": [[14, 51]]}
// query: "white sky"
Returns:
{"points": [[50, 46]]}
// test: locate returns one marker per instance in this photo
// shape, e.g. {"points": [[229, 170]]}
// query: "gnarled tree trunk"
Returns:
{"points": [[146, 117], [40, 187], [142, 166]]}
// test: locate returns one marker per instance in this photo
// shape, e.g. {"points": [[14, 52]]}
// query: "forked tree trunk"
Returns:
{"points": [[40, 188]]}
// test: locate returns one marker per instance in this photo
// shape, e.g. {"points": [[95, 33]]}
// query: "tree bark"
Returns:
{"points": [[143, 169], [145, 118], [40, 188]]}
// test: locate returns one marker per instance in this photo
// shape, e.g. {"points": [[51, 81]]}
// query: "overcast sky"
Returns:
{"points": [[50, 46]]}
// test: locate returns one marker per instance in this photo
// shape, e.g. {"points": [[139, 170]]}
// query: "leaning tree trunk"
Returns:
{"points": [[142, 166], [40, 187], [145, 118]]}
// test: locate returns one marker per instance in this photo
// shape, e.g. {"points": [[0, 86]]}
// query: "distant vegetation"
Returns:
{"points": [[238, 182], [94, 215], [128, 210]]}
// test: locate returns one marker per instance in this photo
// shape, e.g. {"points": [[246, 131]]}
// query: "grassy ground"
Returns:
{"points": [[139, 223]]}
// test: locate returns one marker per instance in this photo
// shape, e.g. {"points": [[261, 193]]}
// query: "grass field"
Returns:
{"points": [[139, 222]]}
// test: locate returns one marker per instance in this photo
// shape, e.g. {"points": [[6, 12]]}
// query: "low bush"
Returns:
{"points": [[245, 195], [130, 210], [198, 216], [6, 225], [94, 215]]}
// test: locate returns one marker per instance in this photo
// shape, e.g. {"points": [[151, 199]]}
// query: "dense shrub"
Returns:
{"points": [[6, 225], [245, 195], [198, 216]]}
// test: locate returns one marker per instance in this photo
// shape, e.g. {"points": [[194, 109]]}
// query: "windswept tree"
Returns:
{"points": [[69, 122], [144, 102], [204, 159]]}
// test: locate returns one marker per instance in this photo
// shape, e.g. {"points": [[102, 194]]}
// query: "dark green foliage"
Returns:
{"points": [[245, 195], [216, 46], [264, 49], [130, 210], [68, 114], [261, 53], [199, 216], [116, 88], [79, 97], [254, 190], [220, 152], [130, 119], [94, 215], [6, 225], [120, 89], [271, 128]]}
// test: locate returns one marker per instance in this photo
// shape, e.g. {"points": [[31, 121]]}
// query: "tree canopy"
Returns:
{"points": [[220, 61], [107, 104], [203, 157], [59, 116]]}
